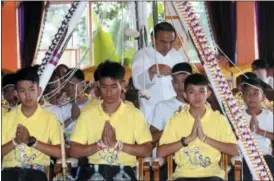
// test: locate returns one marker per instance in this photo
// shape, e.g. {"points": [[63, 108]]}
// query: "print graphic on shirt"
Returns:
{"points": [[195, 158], [22, 156]]}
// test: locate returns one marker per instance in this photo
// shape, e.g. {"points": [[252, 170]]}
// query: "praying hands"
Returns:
{"points": [[22, 134], [109, 135]]}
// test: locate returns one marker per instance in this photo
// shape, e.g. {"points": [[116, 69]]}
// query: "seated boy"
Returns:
{"points": [[9, 99], [164, 110], [30, 135], [197, 135], [260, 120], [111, 132]]}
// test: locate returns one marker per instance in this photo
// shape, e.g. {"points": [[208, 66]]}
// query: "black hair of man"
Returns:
{"points": [[9, 79], [78, 74], [259, 64], [253, 82], [163, 26], [96, 74], [195, 79], [62, 65], [29, 74], [36, 67], [112, 70], [182, 67]]}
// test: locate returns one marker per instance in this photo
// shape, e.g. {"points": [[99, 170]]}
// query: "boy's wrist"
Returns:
{"points": [[189, 139]]}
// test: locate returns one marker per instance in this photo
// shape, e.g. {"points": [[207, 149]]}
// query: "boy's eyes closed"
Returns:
{"points": [[21, 90]]}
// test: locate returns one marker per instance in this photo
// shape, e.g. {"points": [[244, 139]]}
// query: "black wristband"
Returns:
{"points": [[32, 141], [183, 142]]}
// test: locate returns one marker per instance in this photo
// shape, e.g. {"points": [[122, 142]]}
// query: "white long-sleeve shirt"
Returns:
{"points": [[159, 88]]}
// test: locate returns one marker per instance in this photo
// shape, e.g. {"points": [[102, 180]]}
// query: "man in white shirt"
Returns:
{"points": [[151, 70], [260, 121], [164, 110], [259, 67]]}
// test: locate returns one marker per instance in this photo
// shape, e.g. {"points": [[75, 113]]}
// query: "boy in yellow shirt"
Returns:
{"points": [[30, 135], [112, 133], [197, 135]]}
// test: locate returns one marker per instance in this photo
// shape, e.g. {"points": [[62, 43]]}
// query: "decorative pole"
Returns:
{"points": [[63, 152], [60, 42]]}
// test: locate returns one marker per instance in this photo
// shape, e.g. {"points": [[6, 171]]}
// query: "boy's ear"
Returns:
{"points": [[208, 92], [123, 84], [185, 96], [263, 97], [39, 90]]}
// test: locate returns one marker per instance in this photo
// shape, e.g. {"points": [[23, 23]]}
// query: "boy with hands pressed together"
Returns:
{"points": [[30, 135], [197, 135]]}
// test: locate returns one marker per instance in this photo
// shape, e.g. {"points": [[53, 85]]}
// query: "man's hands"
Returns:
{"points": [[22, 134], [109, 135], [163, 70]]}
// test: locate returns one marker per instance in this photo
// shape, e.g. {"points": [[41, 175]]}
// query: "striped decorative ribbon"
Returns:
{"points": [[60, 41]]}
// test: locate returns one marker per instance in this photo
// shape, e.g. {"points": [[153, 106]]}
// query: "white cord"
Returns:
{"points": [[230, 60], [155, 48]]}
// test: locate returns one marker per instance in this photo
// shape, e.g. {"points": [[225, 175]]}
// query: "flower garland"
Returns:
{"points": [[109, 154]]}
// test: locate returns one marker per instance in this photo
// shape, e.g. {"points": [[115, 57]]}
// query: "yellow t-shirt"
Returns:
{"points": [[43, 125], [129, 124], [198, 159], [94, 102], [89, 105], [4, 111]]}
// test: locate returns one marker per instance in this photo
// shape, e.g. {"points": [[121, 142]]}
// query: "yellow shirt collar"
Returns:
{"points": [[22, 116], [207, 113], [117, 112]]}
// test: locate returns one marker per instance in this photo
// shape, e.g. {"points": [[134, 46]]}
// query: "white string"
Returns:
{"points": [[71, 100], [229, 59], [155, 48], [71, 72], [123, 34]]}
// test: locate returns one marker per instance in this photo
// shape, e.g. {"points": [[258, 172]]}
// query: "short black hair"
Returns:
{"points": [[28, 73], [78, 74], [62, 65], [112, 70], [254, 82], [36, 67], [183, 67], [241, 78], [259, 64], [96, 74], [9, 79], [195, 79], [163, 26]]}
